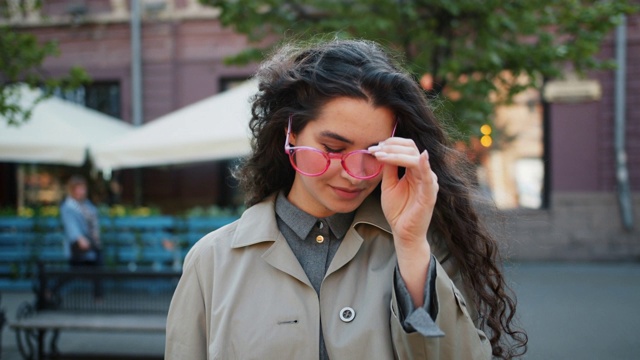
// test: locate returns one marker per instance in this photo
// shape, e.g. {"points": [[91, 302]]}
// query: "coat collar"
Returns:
{"points": [[370, 212], [258, 223]]}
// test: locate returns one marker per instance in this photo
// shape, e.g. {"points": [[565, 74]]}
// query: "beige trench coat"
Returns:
{"points": [[244, 295]]}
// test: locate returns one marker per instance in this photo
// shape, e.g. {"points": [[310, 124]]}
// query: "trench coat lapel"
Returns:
{"points": [[369, 213], [257, 225], [281, 257], [347, 251]]}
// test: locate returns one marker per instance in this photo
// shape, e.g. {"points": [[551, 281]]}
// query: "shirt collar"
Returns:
{"points": [[302, 223]]}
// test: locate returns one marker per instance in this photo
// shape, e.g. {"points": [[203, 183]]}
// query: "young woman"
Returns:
{"points": [[360, 240]]}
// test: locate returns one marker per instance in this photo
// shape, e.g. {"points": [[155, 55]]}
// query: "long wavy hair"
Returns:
{"points": [[300, 79]]}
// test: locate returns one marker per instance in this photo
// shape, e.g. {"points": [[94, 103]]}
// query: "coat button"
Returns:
{"points": [[319, 239], [347, 314]]}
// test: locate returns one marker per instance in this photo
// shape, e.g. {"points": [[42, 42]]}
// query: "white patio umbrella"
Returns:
{"points": [[58, 132], [211, 129]]}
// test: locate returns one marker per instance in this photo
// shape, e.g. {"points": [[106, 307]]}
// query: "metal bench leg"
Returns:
{"points": [[26, 338], [41, 334], [3, 319], [25, 341], [53, 343]]}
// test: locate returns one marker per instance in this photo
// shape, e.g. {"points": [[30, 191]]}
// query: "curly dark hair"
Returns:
{"points": [[300, 79]]}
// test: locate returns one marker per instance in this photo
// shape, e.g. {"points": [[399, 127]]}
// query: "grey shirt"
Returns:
{"points": [[315, 241]]}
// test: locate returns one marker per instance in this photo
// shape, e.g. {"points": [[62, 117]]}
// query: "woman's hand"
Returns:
{"points": [[408, 204]]}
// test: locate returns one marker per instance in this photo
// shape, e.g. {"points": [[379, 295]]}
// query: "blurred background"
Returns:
{"points": [[149, 101]]}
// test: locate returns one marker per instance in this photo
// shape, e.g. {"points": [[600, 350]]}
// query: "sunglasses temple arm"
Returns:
{"points": [[286, 140]]}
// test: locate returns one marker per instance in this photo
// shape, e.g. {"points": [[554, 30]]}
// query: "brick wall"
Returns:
{"points": [[582, 135], [583, 221], [579, 226]]}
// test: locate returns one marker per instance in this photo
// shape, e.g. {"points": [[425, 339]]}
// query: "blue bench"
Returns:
{"points": [[158, 242], [15, 239], [197, 227], [143, 241]]}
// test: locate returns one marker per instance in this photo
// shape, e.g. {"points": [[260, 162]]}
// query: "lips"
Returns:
{"points": [[347, 193]]}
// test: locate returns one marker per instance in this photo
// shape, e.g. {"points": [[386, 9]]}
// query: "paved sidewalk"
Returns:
{"points": [[586, 311]]}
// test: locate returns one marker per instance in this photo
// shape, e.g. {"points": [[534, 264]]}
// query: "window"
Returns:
{"points": [[511, 167], [103, 96]]}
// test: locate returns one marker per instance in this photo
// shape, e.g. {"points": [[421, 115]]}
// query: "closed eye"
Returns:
{"points": [[331, 150]]}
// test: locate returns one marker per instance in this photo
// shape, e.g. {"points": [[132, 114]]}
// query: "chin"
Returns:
{"points": [[346, 207]]}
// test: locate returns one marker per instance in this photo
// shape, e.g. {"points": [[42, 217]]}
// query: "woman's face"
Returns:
{"points": [[344, 125]]}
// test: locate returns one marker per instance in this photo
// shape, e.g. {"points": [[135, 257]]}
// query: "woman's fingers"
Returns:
{"points": [[395, 145], [431, 182], [401, 152], [408, 202], [397, 151]]}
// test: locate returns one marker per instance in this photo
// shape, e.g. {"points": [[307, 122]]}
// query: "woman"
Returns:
{"points": [[360, 240]]}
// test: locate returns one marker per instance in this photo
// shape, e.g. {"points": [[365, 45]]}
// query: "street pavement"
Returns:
{"points": [[579, 311], [582, 311]]}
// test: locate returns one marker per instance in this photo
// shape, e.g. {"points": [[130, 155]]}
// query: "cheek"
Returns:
{"points": [[372, 184], [312, 184]]}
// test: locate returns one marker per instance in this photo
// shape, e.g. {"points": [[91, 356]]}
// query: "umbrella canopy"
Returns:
{"points": [[58, 132], [211, 129]]}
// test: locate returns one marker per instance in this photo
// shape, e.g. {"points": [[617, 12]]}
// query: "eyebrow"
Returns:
{"points": [[332, 135]]}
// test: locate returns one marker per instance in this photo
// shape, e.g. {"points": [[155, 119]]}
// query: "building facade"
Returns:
{"points": [[585, 217], [183, 48]]}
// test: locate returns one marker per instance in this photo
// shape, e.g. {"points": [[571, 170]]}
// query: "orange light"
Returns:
{"points": [[486, 141], [485, 129], [426, 81]]}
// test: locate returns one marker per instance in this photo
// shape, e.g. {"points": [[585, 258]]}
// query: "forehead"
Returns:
{"points": [[354, 119]]}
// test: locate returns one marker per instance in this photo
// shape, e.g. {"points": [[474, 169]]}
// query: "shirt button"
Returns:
{"points": [[319, 239], [347, 314]]}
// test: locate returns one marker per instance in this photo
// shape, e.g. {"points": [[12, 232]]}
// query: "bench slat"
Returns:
{"points": [[46, 320]]}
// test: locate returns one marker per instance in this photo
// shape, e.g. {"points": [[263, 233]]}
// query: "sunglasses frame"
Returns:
{"points": [[290, 150]]}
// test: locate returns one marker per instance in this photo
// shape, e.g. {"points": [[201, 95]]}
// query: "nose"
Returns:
{"points": [[352, 180]]}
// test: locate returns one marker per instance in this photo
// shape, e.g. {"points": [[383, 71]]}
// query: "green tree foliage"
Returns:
{"points": [[21, 57], [476, 51]]}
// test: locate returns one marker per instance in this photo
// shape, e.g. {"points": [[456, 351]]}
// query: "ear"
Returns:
{"points": [[292, 137]]}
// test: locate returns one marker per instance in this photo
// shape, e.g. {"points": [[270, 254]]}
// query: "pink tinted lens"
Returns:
{"points": [[309, 162], [362, 164]]}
